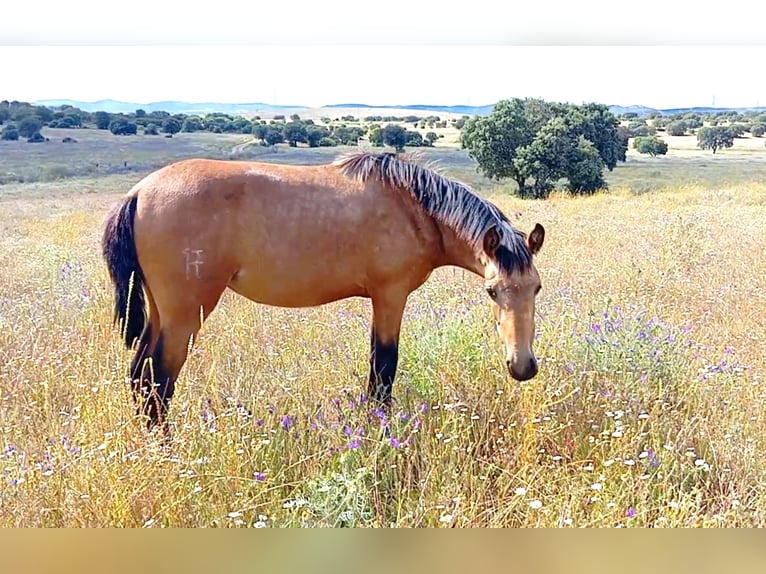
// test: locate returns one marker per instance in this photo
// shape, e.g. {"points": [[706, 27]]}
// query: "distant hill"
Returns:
{"points": [[173, 107], [466, 110], [251, 108]]}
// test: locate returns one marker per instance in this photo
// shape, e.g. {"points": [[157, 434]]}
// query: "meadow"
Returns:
{"points": [[648, 409]]}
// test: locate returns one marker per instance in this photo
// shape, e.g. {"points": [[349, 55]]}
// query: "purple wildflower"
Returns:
{"points": [[395, 443], [259, 476], [354, 444], [654, 462], [287, 422], [631, 513]]}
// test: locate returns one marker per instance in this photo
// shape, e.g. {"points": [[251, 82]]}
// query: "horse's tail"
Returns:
{"points": [[119, 250]]}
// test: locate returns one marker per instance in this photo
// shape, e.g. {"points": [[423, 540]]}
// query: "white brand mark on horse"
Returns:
{"points": [[193, 262]]}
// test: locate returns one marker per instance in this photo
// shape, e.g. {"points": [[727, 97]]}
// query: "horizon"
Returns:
{"points": [[659, 77]]}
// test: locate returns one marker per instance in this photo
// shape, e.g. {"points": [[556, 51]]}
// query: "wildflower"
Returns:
{"points": [[287, 422], [445, 518], [259, 524], [521, 491], [234, 514], [535, 504], [395, 443], [596, 486], [354, 444], [631, 513], [259, 476]]}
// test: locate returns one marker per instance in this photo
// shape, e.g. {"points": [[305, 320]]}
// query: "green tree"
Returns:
{"points": [[715, 138], [259, 131], [757, 130], [585, 168], [29, 125], [294, 132], [273, 136], [122, 127], [171, 126], [652, 145], [431, 137], [414, 139], [9, 133], [192, 124], [395, 136], [376, 136], [314, 135], [676, 128], [536, 143], [102, 119], [494, 141]]}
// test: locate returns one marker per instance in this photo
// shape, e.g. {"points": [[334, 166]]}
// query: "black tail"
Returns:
{"points": [[119, 250]]}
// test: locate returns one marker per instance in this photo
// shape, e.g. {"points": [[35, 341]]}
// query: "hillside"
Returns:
{"points": [[252, 108]]}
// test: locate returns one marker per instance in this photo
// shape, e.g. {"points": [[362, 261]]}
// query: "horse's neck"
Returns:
{"points": [[459, 253]]}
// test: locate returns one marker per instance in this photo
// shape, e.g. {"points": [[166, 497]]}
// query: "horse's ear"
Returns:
{"points": [[536, 238], [491, 241]]}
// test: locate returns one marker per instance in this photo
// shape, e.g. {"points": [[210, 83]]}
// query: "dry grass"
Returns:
{"points": [[648, 410]]}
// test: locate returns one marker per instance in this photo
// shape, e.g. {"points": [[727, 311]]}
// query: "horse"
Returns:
{"points": [[371, 225]]}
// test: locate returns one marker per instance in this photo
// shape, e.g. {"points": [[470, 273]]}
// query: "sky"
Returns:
{"points": [[401, 52]]}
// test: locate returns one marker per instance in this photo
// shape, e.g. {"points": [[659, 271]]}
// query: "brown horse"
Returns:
{"points": [[366, 225]]}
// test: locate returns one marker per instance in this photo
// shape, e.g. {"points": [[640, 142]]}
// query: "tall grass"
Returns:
{"points": [[648, 409]]}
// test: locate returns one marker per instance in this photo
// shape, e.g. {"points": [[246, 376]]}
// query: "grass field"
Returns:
{"points": [[648, 409]]}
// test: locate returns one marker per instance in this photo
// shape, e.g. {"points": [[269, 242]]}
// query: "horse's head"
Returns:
{"points": [[513, 294]]}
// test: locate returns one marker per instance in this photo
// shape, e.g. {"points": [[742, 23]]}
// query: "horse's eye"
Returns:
{"points": [[491, 292]]}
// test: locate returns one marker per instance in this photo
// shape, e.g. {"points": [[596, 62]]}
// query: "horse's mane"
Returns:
{"points": [[447, 200]]}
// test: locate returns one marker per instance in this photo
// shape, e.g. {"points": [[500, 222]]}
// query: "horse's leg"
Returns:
{"points": [[177, 333], [387, 311]]}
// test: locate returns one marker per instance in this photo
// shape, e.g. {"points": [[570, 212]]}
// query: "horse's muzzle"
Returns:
{"points": [[523, 371]]}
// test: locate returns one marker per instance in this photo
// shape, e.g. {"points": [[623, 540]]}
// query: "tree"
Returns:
{"points": [[494, 141], [376, 136], [171, 126], [293, 133], [395, 136], [414, 139], [192, 124], [536, 143], [259, 131], [757, 130], [676, 128], [273, 136], [102, 119], [715, 138], [314, 135], [10, 133], [653, 146], [585, 168], [431, 137], [28, 126], [122, 127], [151, 130]]}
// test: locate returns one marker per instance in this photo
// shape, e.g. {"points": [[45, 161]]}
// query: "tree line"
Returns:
{"points": [[714, 131], [24, 120]]}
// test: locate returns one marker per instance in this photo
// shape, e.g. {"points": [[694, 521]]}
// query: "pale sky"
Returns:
{"points": [[484, 53]]}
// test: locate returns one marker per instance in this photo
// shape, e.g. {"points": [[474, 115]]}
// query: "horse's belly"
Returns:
{"points": [[271, 288]]}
